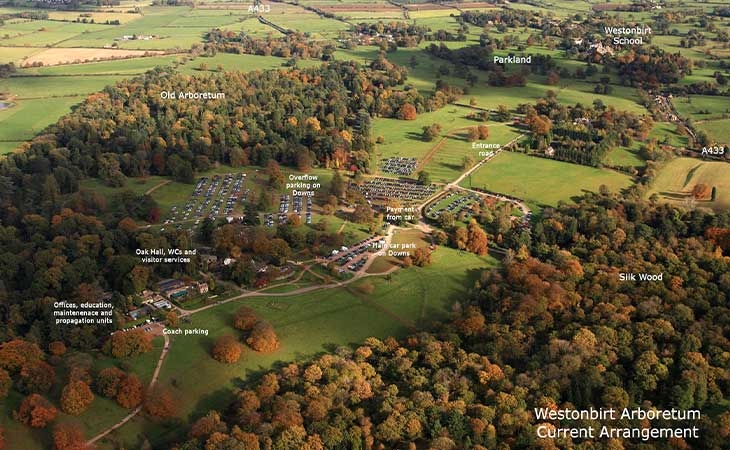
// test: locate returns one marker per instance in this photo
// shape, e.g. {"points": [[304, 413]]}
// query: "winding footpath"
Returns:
{"points": [[135, 411]]}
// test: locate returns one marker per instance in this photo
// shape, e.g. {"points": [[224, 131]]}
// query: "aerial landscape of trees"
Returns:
{"points": [[557, 331], [550, 323]]}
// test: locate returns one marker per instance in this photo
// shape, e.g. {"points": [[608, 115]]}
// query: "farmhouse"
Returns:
{"points": [[202, 287]]}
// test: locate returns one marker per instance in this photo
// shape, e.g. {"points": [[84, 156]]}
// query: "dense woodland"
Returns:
{"points": [[294, 45], [60, 241], [554, 327], [128, 130], [581, 134]]}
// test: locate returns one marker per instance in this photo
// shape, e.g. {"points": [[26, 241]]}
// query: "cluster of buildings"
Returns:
{"points": [[369, 39], [166, 292], [135, 37]]}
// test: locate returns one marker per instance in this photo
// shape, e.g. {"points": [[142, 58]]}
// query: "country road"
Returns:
{"points": [[483, 161]]}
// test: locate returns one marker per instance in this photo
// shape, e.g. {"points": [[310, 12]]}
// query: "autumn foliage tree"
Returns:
{"points": [[263, 338], [76, 398], [57, 348], [227, 349], [553, 78], [477, 239], [539, 125], [131, 392], [128, 343], [17, 353], [36, 377], [207, 425], [473, 134], [422, 257], [483, 131], [68, 436], [701, 191], [36, 411], [407, 112], [161, 402], [108, 381], [245, 318], [172, 319], [5, 383]]}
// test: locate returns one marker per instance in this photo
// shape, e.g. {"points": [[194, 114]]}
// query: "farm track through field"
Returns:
{"points": [[53, 96], [155, 187], [429, 156]]}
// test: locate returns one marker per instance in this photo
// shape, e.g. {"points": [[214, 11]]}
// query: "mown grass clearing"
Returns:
{"points": [[446, 164], [542, 182]]}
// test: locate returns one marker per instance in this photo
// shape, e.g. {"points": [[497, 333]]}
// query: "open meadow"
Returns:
{"points": [[446, 164], [549, 181], [676, 179]]}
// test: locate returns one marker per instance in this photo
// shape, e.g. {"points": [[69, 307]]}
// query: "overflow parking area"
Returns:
{"points": [[454, 203], [213, 197]]}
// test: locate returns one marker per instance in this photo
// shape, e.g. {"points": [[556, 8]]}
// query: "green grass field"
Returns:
{"points": [[137, 185], [446, 164], [542, 182], [668, 131], [307, 324], [717, 130], [702, 107], [676, 180], [244, 63], [41, 95], [61, 86], [29, 117], [625, 156], [15, 54], [403, 137], [131, 66]]}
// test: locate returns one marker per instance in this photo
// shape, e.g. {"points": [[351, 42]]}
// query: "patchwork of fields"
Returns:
{"points": [[67, 56]]}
